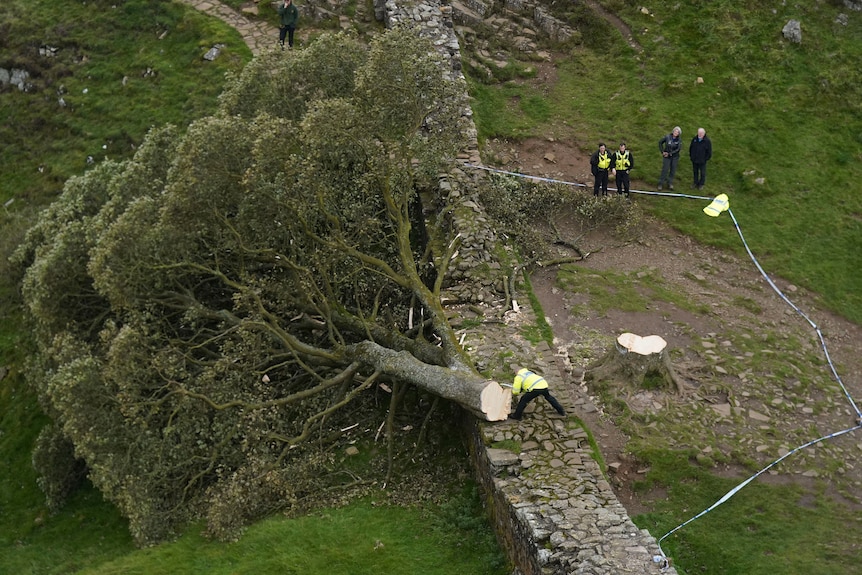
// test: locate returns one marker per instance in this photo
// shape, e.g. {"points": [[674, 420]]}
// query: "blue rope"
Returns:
{"points": [[663, 559]]}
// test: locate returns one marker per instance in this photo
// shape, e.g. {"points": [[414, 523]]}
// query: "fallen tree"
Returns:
{"points": [[205, 307]]}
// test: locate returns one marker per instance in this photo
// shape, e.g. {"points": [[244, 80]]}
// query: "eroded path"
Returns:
{"points": [[258, 35]]}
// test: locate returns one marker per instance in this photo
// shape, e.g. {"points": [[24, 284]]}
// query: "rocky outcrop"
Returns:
{"points": [[15, 77]]}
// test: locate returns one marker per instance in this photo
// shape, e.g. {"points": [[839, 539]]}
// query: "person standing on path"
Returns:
{"points": [[622, 162], [533, 385], [700, 152], [288, 14], [669, 146], [600, 163]]}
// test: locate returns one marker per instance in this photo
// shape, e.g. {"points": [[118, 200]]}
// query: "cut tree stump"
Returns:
{"points": [[641, 361]]}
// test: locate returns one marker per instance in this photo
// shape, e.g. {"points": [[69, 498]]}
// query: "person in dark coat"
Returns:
{"points": [[700, 152], [600, 163], [621, 164], [669, 146], [288, 15]]}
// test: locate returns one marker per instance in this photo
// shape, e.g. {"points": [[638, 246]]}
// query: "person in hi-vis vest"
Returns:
{"points": [[622, 162], [600, 163], [532, 385]]}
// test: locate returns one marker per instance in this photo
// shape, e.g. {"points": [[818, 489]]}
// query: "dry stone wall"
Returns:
{"points": [[553, 508]]}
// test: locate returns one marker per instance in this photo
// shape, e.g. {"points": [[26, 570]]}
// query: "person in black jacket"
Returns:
{"points": [[621, 164], [600, 163], [700, 151], [669, 146], [288, 15]]}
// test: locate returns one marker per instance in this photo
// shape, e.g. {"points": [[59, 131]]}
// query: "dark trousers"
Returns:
{"points": [[601, 182], [668, 170], [286, 31], [531, 395], [699, 174], [623, 182]]}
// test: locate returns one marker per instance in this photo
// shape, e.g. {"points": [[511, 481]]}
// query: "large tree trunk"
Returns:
{"points": [[637, 360], [486, 398]]}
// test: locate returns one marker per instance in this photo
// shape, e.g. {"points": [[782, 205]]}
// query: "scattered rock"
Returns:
{"points": [[352, 450], [793, 31], [48, 51], [16, 77], [757, 416], [723, 409], [213, 52]]}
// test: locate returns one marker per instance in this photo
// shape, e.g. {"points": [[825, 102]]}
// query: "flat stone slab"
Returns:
{"points": [[757, 416], [723, 409], [502, 457]]}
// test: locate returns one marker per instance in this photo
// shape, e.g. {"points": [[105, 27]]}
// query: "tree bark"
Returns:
{"points": [[486, 398], [633, 359]]}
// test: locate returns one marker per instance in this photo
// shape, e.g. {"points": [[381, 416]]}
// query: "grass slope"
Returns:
{"points": [[120, 68], [101, 71], [99, 44], [789, 113], [765, 529], [361, 539]]}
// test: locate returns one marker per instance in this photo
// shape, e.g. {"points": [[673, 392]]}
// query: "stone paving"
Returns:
{"points": [[549, 491]]}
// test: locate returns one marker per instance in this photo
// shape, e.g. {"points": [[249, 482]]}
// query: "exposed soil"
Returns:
{"points": [[758, 382]]}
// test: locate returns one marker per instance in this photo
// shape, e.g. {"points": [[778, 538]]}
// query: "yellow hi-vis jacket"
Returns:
{"points": [[622, 161], [604, 161], [526, 380]]}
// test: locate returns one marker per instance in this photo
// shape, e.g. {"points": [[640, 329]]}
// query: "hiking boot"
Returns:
{"points": [[670, 187], [659, 187]]}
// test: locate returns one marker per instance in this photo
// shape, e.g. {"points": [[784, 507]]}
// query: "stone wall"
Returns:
{"points": [[553, 509]]}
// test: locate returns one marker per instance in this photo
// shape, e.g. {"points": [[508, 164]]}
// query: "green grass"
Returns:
{"points": [[102, 42], [99, 43], [542, 330], [508, 445], [508, 110], [105, 49], [764, 529], [791, 113], [612, 290], [575, 422], [363, 538]]}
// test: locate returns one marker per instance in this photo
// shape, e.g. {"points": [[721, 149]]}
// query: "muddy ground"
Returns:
{"points": [[757, 380]]}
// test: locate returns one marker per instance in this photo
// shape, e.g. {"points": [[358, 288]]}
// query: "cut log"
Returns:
{"points": [[641, 361], [486, 398]]}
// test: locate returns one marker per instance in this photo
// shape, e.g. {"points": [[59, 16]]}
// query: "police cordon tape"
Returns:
{"points": [[718, 205]]}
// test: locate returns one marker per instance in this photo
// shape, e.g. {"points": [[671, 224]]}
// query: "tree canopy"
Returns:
{"points": [[201, 308]]}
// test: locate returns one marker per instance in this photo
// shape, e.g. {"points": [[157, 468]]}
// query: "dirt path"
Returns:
{"points": [[258, 35], [615, 21]]}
